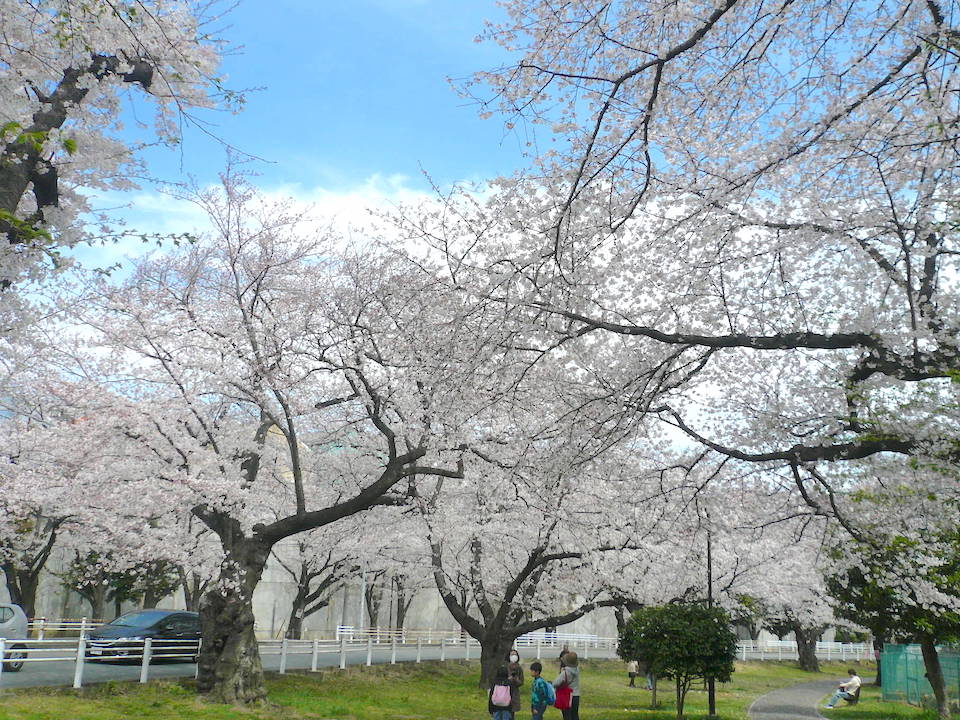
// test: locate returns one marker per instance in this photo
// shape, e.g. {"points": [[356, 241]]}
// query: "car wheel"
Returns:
{"points": [[13, 659]]}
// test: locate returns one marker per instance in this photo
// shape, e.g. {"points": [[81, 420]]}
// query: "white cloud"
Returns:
{"points": [[350, 211]]}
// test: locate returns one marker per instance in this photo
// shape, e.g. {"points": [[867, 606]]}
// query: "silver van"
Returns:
{"points": [[13, 627]]}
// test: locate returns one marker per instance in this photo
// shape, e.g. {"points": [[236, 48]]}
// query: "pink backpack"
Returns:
{"points": [[501, 695]]}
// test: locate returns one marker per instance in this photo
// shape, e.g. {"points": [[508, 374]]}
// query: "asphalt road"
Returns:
{"points": [[792, 703], [61, 672]]}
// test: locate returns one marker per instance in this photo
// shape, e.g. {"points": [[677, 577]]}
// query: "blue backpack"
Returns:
{"points": [[548, 691]]}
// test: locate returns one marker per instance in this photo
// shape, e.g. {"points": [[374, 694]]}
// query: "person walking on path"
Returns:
{"points": [[570, 675], [846, 690], [633, 667]]}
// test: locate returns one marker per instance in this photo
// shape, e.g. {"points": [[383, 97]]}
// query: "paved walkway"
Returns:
{"points": [[793, 703]]}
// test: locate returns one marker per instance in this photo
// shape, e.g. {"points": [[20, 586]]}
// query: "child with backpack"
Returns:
{"points": [[500, 700], [542, 693]]}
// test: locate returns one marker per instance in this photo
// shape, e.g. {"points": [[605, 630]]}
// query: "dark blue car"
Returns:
{"points": [[174, 635]]}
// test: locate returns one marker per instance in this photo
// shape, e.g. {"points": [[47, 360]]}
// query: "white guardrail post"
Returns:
{"points": [[81, 656], [443, 649], [145, 661], [419, 648], [466, 648], [40, 628], [314, 655], [369, 651], [539, 644], [283, 656], [393, 650], [343, 652], [1, 655]]}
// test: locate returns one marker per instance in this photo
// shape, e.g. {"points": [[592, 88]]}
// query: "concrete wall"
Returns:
{"points": [[274, 596]]}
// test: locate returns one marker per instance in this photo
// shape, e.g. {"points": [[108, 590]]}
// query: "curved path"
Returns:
{"points": [[792, 703]]}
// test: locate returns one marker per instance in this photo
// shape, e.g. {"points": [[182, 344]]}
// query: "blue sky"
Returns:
{"points": [[354, 90]]}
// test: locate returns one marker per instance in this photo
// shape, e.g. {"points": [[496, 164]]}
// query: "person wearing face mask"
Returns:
{"points": [[515, 675]]}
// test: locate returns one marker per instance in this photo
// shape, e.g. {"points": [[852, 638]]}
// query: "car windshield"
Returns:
{"points": [[141, 618]]}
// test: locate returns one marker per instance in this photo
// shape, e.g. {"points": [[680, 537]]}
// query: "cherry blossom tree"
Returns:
{"points": [[65, 68], [534, 536], [318, 563], [759, 200], [50, 475], [276, 381]]}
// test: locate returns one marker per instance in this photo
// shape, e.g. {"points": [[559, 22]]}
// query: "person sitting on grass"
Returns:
{"points": [[846, 690]]}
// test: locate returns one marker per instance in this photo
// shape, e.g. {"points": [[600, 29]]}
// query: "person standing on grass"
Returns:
{"points": [[846, 690], [633, 667], [515, 676], [570, 675], [499, 699], [540, 693]]}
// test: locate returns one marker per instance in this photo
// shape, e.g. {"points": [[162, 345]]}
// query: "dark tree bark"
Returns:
{"points": [[25, 168], [404, 601], [317, 577], [22, 587], [229, 669], [502, 619], [96, 594], [494, 647], [373, 596], [193, 586], [151, 599], [931, 663], [878, 643], [807, 646], [23, 579]]}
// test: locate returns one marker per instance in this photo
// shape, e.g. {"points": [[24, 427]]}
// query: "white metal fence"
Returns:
{"points": [[79, 650], [40, 628], [787, 650]]}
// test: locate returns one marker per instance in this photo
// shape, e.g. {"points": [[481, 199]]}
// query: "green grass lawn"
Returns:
{"points": [[426, 692], [872, 707]]}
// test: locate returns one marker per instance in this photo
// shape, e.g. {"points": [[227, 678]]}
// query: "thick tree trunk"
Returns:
{"points": [[193, 588], [295, 620], [620, 614], [681, 696], [97, 597], [150, 599], [807, 648], [931, 663], [878, 643], [494, 647], [230, 670], [403, 605], [22, 588]]}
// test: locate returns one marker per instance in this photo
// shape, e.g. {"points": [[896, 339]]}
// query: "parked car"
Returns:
{"points": [[13, 627], [175, 635]]}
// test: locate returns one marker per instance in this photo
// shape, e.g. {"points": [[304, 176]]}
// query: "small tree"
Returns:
{"points": [[681, 642]]}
